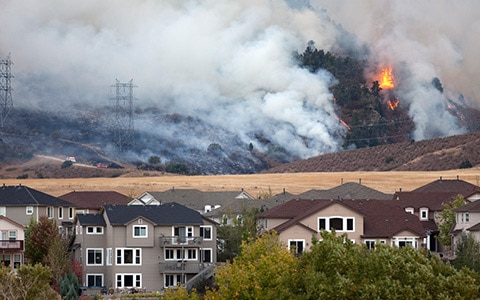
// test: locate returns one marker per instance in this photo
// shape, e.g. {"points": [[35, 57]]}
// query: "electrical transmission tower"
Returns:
{"points": [[6, 102], [123, 130]]}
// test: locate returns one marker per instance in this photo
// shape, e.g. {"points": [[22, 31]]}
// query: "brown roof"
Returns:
{"points": [[381, 218], [433, 200], [348, 190], [446, 185], [94, 199], [469, 207]]}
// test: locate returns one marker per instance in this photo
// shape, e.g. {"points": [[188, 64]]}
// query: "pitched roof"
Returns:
{"points": [[196, 199], [348, 190], [94, 199], [469, 207], [165, 214], [433, 200], [21, 195], [91, 219], [239, 206], [381, 218], [446, 185]]}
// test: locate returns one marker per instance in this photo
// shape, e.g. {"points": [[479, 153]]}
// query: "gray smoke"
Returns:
{"points": [[230, 63]]}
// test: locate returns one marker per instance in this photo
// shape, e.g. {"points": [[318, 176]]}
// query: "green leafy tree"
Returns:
{"points": [[153, 160], [447, 219], [30, 282], [467, 253], [39, 237], [264, 270]]}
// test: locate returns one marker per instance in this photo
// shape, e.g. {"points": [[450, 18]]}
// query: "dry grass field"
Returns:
{"points": [[257, 184]]}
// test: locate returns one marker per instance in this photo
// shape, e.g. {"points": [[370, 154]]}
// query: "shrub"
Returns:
{"points": [[466, 164], [66, 164], [23, 176]]}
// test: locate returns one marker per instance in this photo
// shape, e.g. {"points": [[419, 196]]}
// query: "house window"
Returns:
{"points": [[94, 230], [173, 280], [339, 224], [129, 280], [423, 214], [60, 212], [370, 244], [206, 255], [191, 254], [71, 212], [17, 260], [78, 229], [94, 280], [296, 246], [409, 210], [467, 217], [29, 210], [3, 211], [129, 256], [182, 233], [109, 257], [12, 235], [206, 232], [95, 257], [50, 212], [404, 242], [140, 231], [464, 218]]}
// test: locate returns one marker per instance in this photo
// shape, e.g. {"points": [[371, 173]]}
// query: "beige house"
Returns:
{"points": [[467, 221], [366, 222], [12, 242], [149, 247]]}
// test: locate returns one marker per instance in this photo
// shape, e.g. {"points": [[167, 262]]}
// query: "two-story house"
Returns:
{"points": [[23, 204], [363, 221], [467, 220], [144, 246], [12, 242]]}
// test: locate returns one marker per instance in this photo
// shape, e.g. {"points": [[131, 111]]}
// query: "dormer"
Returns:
{"points": [[423, 214]]}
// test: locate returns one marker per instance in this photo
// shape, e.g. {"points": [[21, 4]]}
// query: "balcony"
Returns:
{"points": [[182, 267], [180, 241], [11, 245]]}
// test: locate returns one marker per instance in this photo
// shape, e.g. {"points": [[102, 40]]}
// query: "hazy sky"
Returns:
{"points": [[230, 62]]}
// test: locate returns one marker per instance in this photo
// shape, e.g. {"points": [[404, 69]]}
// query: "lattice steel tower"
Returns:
{"points": [[123, 129], [6, 102]]}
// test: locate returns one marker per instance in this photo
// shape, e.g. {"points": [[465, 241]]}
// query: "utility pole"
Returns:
{"points": [[123, 129], [6, 102]]}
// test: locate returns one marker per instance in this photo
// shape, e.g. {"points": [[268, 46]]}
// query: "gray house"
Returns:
{"points": [[148, 247]]}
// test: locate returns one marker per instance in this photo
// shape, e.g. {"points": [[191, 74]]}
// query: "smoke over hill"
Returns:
{"points": [[222, 72]]}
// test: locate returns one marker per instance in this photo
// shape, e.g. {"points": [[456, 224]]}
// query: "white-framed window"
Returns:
{"points": [[182, 233], [173, 280], [94, 257], [405, 241], [94, 280], [140, 231], [78, 229], [206, 232], [340, 224], [128, 280], [206, 255], [370, 244], [29, 210], [94, 230], [409, 210], [129, 256], [3, 211], [181, 254], [50, 212], [463, 218], [423, 214], [71, 212], [17, 260], [296, 246], [109, 257], [60, 212], [12, 235]]}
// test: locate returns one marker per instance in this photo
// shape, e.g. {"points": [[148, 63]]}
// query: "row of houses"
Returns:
{"points": [[162, 239]]}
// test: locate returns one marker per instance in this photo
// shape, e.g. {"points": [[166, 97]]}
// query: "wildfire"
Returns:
{"points": [[345, 124], [387, 81], [392, 104]]}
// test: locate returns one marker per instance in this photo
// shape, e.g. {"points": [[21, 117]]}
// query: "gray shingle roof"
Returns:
{"points": [[24, 196], [166, 214], [348, 190], [448, 185], [91, 219]]}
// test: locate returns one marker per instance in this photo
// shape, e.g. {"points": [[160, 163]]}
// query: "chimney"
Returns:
{"points": [[341, 181], [441, 179], [360, 181], [284, 191], [458, 177], [400, 189]]}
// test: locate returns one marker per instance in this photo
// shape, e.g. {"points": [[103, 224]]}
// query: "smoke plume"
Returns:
{"points": [[230, 63]]}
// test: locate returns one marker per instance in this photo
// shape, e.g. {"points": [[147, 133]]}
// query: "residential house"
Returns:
{"points": [[90, 202], [348, 190], [449, 185], [366, 222], [12, 242], [23, 204], [144, 246], [467, 221], [201, 201]]}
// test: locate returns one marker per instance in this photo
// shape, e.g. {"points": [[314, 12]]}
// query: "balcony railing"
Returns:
{"points": [[182, 266], [11, 245], [170, 241]]}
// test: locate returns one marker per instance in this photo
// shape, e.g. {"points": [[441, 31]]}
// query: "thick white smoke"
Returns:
{"points": [[230, 62]]}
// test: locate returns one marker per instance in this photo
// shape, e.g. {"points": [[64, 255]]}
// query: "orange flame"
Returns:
{"points": [[387, 81], [392, 104], [345, 124]]}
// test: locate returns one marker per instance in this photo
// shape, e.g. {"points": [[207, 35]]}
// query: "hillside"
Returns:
{"points": [[448, 153]]}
